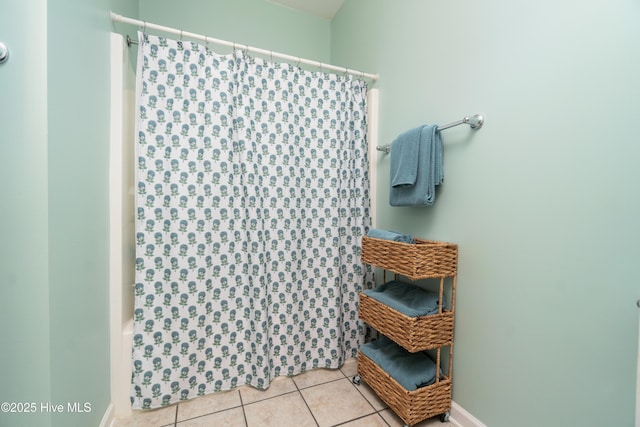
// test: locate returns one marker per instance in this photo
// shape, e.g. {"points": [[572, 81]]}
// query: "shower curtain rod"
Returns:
{"points": [[296, 59], [475, 122]]}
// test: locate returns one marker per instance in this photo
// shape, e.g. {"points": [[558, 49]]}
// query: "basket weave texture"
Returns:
{"points": [[412, 333], [411, 406], [424, 259]]}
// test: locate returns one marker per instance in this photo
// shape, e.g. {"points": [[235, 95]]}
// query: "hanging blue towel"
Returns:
{"points": [[429, 169], [404, 158]]}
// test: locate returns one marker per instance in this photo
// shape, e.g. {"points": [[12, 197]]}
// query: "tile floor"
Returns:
{"points": [[318, 398]]}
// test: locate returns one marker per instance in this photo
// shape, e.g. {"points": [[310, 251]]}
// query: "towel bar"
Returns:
{"points": [[475, 122]]}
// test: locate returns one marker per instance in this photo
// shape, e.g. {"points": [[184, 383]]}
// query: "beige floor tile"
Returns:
{"points": [[336, 402], [394, 421], [288, 410], [278, 386], [391, 418], [374, 420], [208, 404], [317, 376], [229, 418], [371, 396], [350, 367], [149, 418]]}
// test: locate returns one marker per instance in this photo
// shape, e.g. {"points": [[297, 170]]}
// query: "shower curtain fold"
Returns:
{"points": [[252, 195]]}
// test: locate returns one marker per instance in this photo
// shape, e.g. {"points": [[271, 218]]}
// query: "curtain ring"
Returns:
{"points": [[181, 34], [298, 63], [271, 55], [145, 36]]}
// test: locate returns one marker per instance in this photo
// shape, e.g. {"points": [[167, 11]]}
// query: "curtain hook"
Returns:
{"points": [[298, 63], [271, 55], [180, 34], [145, 36]]}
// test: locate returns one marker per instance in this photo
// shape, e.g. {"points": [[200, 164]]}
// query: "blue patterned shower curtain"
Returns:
{"points": [[252, 196]]}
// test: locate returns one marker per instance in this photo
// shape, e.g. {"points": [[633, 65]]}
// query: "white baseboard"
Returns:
{"points": [[109, 418], [461, 418]]}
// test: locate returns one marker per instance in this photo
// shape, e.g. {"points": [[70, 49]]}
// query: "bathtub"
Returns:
{"points": [[121, 373], [121, 222]]}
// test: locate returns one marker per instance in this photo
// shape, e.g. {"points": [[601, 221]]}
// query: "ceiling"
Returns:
{"points": [[322, 8]]}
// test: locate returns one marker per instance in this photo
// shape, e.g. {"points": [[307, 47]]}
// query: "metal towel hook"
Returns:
{"points": [[4, 53]]}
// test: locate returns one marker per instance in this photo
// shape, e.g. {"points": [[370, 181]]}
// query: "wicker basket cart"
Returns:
{"points": [[422, 260]]}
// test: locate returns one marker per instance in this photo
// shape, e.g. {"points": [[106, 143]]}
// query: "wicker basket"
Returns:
{"points": [[424, 259], [412, 333], [411, 406]]}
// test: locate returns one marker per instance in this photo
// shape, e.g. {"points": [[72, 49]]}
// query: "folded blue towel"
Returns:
{"points": [[408, 299], [410, 370], [429, 174], [404, 158], [396, 236]]}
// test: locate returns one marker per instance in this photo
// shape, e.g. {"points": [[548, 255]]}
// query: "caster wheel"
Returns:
{"points": [[356, 380], [444, 418]]}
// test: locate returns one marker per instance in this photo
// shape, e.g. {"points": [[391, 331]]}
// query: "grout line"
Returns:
{"points": [[209, 413], [308, 407], [376, 411], [269, 398], [383, 418], [357, 387], [361, 417], [344, 376], [244, 414], [322, 383], [298, 390], [175, 418]]}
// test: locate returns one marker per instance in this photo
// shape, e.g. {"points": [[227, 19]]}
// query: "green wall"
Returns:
{"points": [[256, 23], [78, 152], [54, 263], [24, 306], [543, 200]]}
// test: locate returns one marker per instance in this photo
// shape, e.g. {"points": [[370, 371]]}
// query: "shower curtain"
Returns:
{"points": [[252, 196]]}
